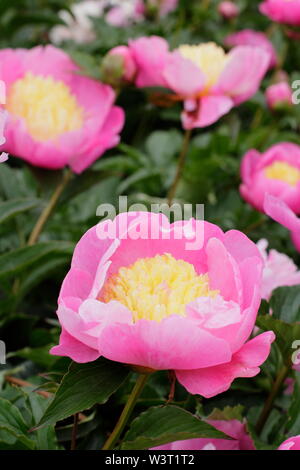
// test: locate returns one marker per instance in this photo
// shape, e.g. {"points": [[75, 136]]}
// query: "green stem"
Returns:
{"points": [[282, 375], [180, 167], [126, 413], [48, 209]]}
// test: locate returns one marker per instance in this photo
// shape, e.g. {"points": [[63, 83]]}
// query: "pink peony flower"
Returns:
{"points": [[127, 66], [277, 172], [282, 11], [278, 95], [56, 116], [234, 428], [228, 10], [209, 81], [249, 37], [293, 443], [180, 297], [279, 211], [279, 270]]}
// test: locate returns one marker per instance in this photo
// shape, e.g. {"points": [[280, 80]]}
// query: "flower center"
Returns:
{"points": [[284, 172], [210, 58], [154, 288], [46, 105]]}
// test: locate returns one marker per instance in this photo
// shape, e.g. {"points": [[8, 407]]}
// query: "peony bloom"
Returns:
{"points": [[180, 297], [279, 270], [56, 117], [228, 10], [208, 81], [234, 428], [293, 443], [282, 11], [125, 12], [279, 95], [277, 172], [279, 211], [249, 37], [118, 66]]}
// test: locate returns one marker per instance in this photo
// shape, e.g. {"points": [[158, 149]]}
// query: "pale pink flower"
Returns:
{"points": [[228, 10], [208, 81], [250, 37], [141, 292], [125, 67], [278, 95], [78, 25], [56, 116], [279, 270], [282, 11], [276, 172], [233, 428]]}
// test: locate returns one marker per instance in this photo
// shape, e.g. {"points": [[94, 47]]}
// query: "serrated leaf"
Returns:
{"points": [[162, 424], [83, 386]]}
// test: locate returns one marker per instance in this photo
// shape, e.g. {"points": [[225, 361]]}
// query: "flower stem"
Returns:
{"points": [[48, 209], [282, 375], [181, 162], [125, 415]]}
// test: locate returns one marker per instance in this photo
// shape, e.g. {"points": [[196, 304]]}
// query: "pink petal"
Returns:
{"points": [[211, 381], [182, 76], [173, 342]]}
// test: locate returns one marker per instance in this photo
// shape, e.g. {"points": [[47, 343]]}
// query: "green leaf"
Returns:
{"points": [[163, 145], [83, 386], [13, 207], [285, 304], [293, 423], [12, 426], [228, 413], [162, 424], [22, 258]]}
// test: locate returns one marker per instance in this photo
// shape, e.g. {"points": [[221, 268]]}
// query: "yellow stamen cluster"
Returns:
{"points": [[46, 105], [154, 288], [210, 58], [284, 172]]}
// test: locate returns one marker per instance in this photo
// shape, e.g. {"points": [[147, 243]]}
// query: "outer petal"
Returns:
{"points": [[279, 211], [76, 350], [242, 76], [151, 55], [245, 363], [249, 37], [183, 76], [209, 110], [174, 342]]}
